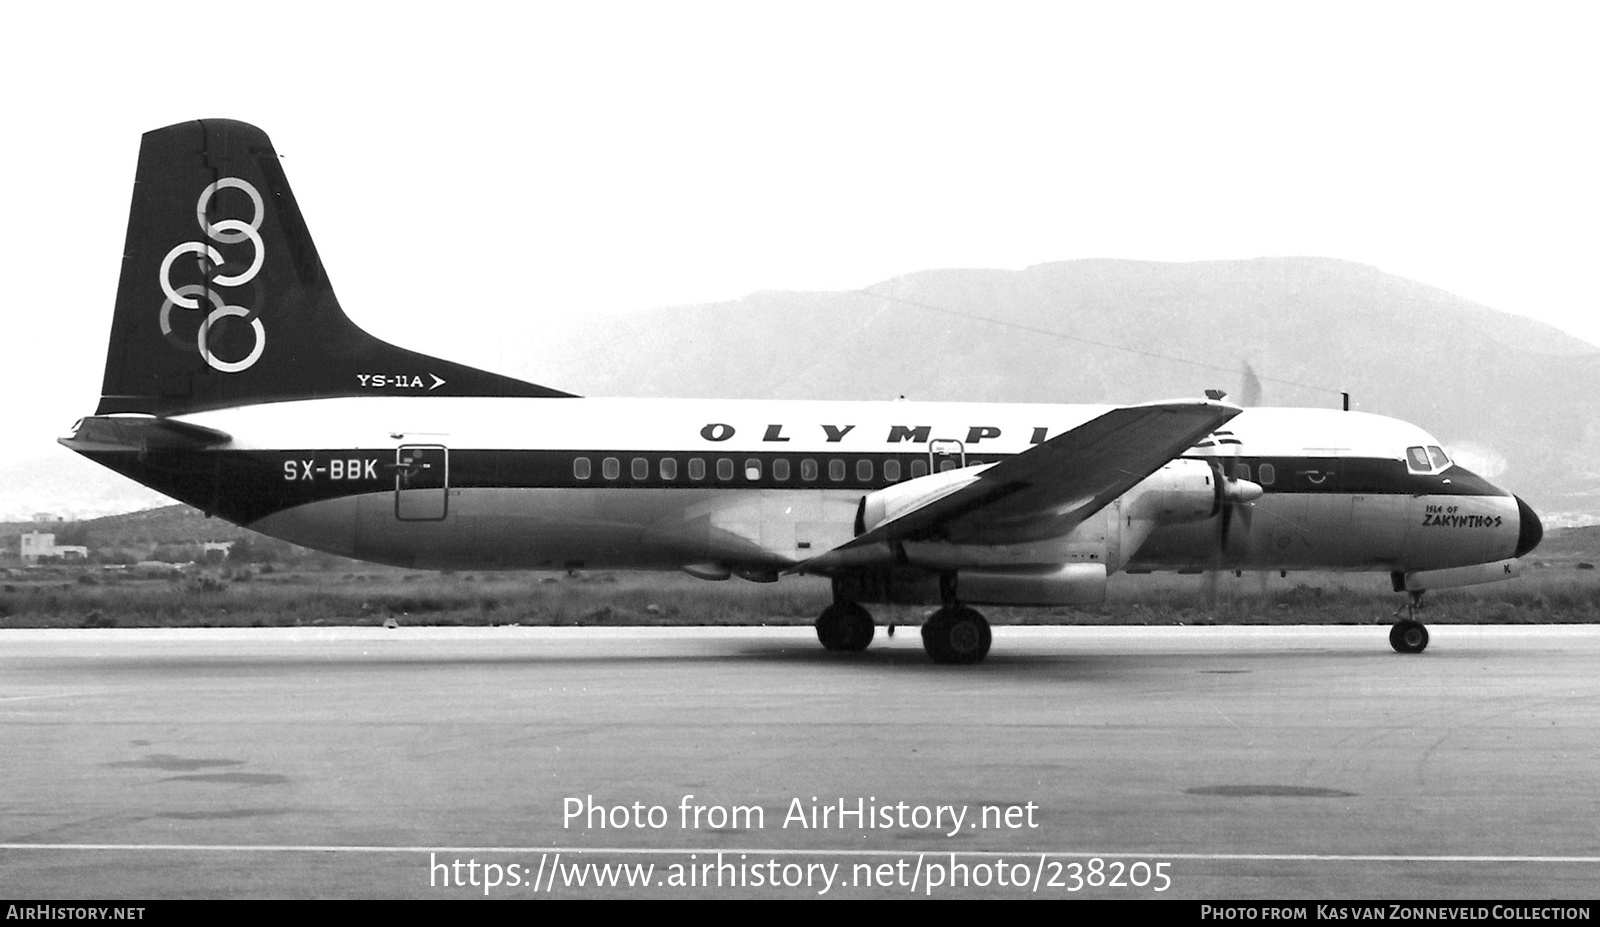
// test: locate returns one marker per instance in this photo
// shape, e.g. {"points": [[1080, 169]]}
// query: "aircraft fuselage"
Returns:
{"points": [[756, 488]]}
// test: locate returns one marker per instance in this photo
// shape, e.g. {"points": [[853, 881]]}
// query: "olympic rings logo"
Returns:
{"points": [[225, 232]]}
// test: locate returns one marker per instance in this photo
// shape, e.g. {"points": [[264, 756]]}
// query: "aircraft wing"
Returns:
{"points": [[1047, 490]]}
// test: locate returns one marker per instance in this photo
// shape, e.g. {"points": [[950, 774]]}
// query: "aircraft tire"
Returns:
{"points": [[845, 626], [1408, 636], [956, 634]]}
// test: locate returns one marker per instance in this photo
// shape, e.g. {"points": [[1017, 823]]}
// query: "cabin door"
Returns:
{"points": [[946, 454], [421, 482]]}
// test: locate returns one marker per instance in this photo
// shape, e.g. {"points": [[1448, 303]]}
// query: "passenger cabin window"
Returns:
{"points": [[1241, 471], [891, 470], [752, 469], [641, 468], [669, 468], [611, 468], [836, 470], [1417, 460], [580, 468], [780, 470], [864, 470], [808, 471], [697, 469], [724, 468], [1268, 474], [919, 467]]}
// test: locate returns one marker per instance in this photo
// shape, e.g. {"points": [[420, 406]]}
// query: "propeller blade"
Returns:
{"points": [[1234, 497], [1250, 387]]}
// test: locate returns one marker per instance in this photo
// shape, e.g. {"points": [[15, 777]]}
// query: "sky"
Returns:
{"points": [[476, 173]]}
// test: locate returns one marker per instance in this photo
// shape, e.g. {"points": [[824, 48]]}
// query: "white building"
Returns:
{"points": [[38, 545]]}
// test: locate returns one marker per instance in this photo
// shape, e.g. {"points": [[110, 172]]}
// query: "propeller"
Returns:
{"points": [[1249, 386], [1235, 492], [1235, 496]]}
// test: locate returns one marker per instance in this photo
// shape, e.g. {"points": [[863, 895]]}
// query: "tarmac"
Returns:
{"points": [[1238, 763]]}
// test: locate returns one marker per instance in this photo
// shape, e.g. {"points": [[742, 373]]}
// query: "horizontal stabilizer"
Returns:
{"points": [[141, 433]]}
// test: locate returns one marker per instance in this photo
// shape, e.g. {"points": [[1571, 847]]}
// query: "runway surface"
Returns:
{"points": [[1209, 763]]}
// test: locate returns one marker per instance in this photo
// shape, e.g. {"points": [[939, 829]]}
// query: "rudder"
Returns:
{"points": [[224, 301]]}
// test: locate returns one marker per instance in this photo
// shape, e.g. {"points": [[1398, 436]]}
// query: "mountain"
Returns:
{"points": [[1515, 399]]}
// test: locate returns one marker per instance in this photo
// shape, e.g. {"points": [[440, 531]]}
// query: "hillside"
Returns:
{"points": [[170, 532]]}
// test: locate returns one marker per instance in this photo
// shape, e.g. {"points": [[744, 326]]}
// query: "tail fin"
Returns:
{"points": [[223, 300]]}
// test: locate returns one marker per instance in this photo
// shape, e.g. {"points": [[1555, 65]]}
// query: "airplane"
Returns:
{"points": [[236, 383]]}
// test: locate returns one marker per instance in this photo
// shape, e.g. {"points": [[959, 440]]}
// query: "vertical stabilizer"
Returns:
{"points": [[223, 300]]}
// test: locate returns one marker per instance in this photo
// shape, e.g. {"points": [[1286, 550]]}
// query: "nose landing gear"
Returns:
{"points": [[1408, 634]]}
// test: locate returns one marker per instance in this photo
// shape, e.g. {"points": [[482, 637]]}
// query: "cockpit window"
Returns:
{"points": [[1440, 461], [1417, 458]]}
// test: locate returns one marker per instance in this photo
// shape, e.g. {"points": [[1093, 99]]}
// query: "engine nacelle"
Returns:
{"points": [[893, 501], [1182, 490], [1056, 584], [1423, 580], [1068, 584]]}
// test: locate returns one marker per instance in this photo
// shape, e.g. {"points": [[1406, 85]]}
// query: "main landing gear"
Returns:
{"points": [[953, 634], [845, 626], [956, 634], [1408, 634]]}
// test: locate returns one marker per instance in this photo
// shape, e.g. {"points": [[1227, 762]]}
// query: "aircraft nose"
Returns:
{"points": [[1531, 531]]}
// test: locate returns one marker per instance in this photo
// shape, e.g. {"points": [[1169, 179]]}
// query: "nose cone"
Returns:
{"points": [[1531, 532]]}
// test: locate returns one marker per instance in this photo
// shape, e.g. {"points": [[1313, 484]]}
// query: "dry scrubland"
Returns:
{"points": [[59, 597]]}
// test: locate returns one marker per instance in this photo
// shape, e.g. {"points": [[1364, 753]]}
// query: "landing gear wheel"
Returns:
{"points": [[956, 634], [1408, 636], [845, 626]]}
